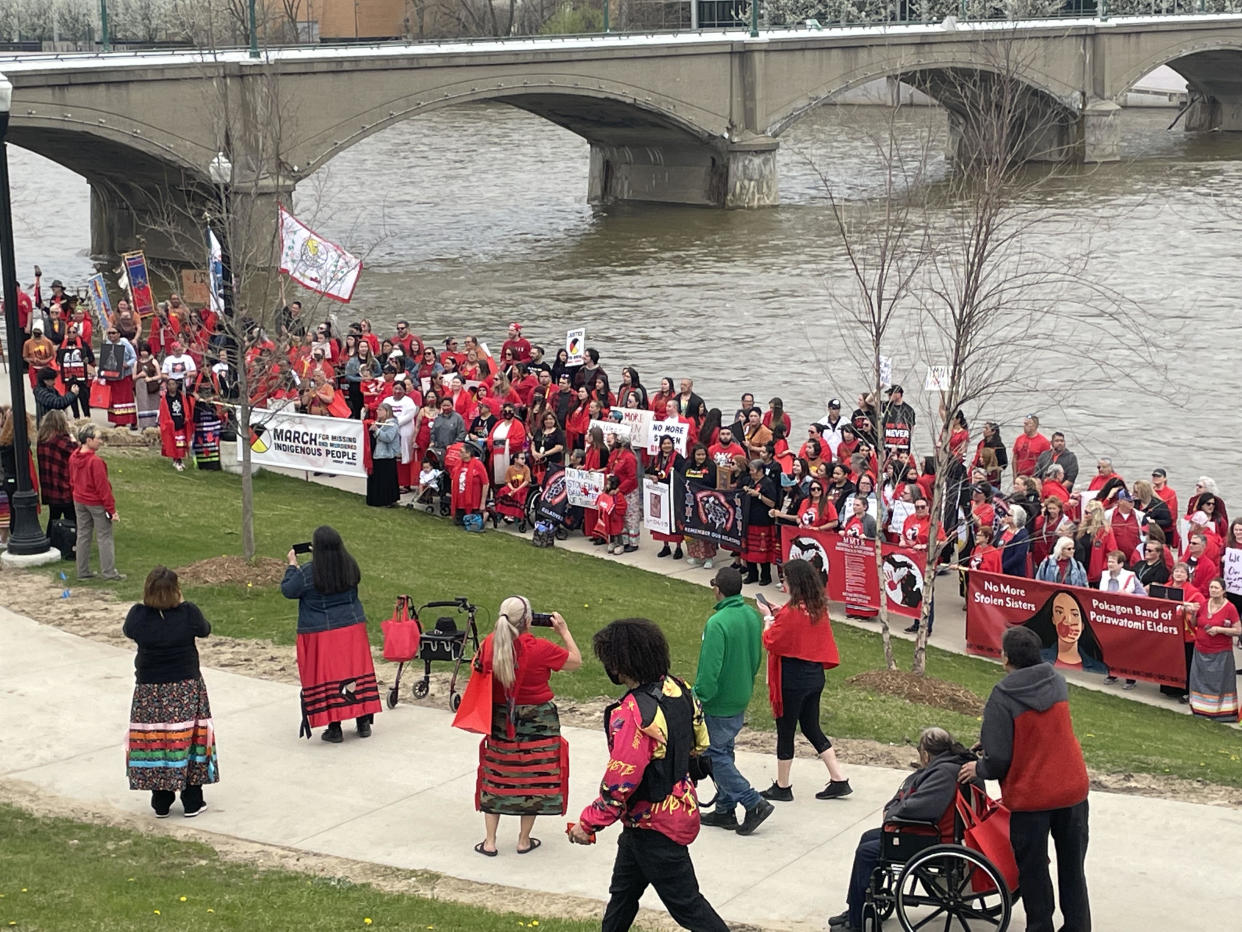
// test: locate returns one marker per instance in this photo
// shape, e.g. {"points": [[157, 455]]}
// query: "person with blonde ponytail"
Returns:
{"points": [[524, 762]]}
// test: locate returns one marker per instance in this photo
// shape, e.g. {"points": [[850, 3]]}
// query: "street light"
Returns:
{"points": [[26, 537]]}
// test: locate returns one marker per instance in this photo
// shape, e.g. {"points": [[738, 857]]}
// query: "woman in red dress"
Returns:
{"points": [[660, 400]]}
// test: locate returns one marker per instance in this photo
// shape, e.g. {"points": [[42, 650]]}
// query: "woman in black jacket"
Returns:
{"points": [[171, 746]]}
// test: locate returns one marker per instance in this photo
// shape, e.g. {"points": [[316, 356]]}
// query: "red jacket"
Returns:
{"points": [[624, 466], [792, 634], [168, 433], [470, 484], [88, 475]]}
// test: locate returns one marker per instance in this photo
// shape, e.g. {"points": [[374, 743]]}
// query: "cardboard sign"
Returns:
{"points": [[640, 422], [575, 346], [620, 430], [583, 486], [657, 506], [937, 379], [669, 428], [195, 287]]}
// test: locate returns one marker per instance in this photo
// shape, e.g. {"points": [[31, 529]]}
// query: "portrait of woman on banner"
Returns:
{"points": [[1066, 635]]}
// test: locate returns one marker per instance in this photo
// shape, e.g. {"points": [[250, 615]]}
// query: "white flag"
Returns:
{"points": [[313, 262], [215, 271]]}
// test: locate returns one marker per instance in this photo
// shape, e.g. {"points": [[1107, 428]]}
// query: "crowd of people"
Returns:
{"points": [[483, 429], [665, 734]]}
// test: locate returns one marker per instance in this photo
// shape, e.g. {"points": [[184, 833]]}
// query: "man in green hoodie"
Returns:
{"points": [[728, 660]]}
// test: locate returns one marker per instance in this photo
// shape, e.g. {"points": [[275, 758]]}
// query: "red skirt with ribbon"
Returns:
{"points": [[338, 676]]}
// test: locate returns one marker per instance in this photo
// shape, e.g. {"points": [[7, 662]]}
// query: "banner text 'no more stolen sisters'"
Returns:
{"points": [[1098, 632]]}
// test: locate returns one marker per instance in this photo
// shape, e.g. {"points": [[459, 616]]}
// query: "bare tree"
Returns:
{"points": [[955, 272]]}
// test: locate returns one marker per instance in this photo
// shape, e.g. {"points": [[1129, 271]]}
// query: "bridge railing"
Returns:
{"points": [[471, 21]]}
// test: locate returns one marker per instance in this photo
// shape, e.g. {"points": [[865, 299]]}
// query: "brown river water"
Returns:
{"points": [[469, 218]]}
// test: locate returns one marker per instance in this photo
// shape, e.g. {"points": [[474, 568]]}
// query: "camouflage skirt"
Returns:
{"points": [[528, 774]]}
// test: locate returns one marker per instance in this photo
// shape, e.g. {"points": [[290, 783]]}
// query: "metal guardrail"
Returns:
{"points": [[854, 14]]}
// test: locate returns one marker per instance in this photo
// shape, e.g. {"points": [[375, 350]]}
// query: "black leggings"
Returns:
{"points": [[60, 511], [801, 708]]}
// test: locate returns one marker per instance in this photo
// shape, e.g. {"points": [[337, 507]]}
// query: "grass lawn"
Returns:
{"points": [[60, 874], [178, 518]]}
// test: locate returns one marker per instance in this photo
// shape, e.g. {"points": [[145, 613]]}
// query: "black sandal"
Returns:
{"points": [[534, 843], [483, 851]]}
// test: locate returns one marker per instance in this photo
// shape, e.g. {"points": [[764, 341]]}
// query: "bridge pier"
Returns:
{"points": [[740, 174], [168, 223], [1222, 112], [1101, 131]]}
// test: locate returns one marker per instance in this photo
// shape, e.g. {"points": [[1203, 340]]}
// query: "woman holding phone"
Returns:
{"points": [[334, 654], [798, 637]]}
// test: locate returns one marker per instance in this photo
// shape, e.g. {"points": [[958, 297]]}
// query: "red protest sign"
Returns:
{"points": [[850, 575], [1082, 629]]}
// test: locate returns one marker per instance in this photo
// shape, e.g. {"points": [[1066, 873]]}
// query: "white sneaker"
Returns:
{"points": [[618, 549], [691, 561], [707, 564]]}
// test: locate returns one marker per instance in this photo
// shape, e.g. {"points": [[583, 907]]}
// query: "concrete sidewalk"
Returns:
{"points": [[405, 798]]}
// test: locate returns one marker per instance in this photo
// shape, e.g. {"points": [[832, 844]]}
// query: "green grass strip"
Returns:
{"points": [[60, 874], [178, 518]]}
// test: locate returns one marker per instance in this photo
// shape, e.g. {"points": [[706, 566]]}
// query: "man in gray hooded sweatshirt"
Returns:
{"points": [[1029, 746]]}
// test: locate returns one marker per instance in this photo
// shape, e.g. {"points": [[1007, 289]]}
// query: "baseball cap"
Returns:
{"points": [[728, 580], [834, 403], [1159, 471], [895, 388]]}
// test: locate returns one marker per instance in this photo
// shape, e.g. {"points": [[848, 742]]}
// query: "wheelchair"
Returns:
{"points": [[931, 879]]}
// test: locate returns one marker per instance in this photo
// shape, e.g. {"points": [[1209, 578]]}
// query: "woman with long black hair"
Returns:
{"points": [[1066, 636], [798, 637], [334, 654]]}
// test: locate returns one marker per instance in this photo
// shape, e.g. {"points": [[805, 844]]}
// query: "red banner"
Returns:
{"points": [[1083, 629], [848, 567]]}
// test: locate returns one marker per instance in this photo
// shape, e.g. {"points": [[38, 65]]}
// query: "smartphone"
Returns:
{"points": [[763, 601], [541, 619], [302, 548]]}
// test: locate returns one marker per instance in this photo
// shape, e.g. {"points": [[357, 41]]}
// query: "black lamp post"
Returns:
{"points": [[26, 537]]}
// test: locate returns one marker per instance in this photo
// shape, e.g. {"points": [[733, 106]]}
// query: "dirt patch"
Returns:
{"points": [[96, 614], [232, 570], [924, 690]]}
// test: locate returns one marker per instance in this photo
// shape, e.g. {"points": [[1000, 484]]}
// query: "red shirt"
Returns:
{"points": [[1214, 643], [536, 659], [88, 477], [1026, 451], [520, 348], [1126, 531]]}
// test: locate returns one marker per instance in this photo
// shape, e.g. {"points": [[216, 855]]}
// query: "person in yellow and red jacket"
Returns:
{"points": [[655, 736], [1029, 746]]}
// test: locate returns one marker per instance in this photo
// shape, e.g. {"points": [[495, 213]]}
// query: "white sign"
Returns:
{"points": [[304, 441], [886, 371], [621, 429], [313, 262], [639, 421], [937, 379], [657, 506], [668, 428], [575, 346], [583, 486]]}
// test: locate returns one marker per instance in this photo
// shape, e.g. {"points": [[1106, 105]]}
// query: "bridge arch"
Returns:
{"points": [[1213, 71], [602, 112], [645, 145], [1053, 94]]}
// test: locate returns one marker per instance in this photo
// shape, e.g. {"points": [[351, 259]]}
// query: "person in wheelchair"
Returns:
{"points": [[927, 795]]}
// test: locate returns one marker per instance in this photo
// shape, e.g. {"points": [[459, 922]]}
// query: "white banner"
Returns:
{"points": [[304, 441], [676, 429], [583, 486], [657, 506], [575, 346], [313, 262], [215, 272], [621, 430], [639, 421]]}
